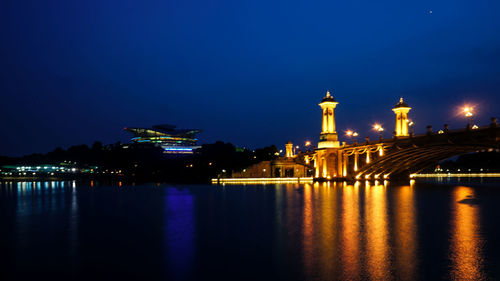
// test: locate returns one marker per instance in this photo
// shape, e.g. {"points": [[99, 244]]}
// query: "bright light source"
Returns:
{"points": [[350, 133], [378, 128], [468, 111]]}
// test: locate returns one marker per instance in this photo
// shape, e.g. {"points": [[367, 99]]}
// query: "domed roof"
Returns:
{"points": [[401, 103], [328, 97]]}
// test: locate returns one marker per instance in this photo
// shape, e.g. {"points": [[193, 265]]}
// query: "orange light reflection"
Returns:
{"points": [[405, 231], [466, 245], [350, 232], [377, 234]]}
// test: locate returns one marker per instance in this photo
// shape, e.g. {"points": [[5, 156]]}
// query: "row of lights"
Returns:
{"points": [[467, 111], [376, 127]]}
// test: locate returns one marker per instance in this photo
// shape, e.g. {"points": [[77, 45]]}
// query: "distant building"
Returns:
{"points": [[283, 167], [172, 140]]}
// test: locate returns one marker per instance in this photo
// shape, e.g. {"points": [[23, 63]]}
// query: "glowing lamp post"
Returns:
{"points": [[468, 113], [410, 124], [351, 134], [378, 128]]}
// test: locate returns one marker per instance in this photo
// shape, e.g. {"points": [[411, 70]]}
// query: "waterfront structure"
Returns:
{"points": [[172, 140], [402, 155], [47, 170], [289, 166]]}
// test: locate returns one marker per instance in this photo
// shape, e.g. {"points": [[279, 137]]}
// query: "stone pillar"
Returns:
{"points": [[346, 163], [356, 156]]}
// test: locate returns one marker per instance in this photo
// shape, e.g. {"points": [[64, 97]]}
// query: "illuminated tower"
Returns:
{"points": [[289, 149], [401, 110], [328, 137]]}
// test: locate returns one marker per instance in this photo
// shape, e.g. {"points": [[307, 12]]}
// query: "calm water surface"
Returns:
{"points": [[88, 231]]}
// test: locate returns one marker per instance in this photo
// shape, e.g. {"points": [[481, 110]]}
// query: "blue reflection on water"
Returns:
{"points": [[179, 223]]}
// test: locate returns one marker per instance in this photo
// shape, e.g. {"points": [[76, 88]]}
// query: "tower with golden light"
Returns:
{"points": [[289, 149], [328, 136], [401, 110]]}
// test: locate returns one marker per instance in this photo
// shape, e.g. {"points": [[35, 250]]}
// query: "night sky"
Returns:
{"points": [[248, 72]]}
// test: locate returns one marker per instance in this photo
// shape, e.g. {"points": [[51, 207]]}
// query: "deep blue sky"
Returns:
{"points": [[248, 72]]}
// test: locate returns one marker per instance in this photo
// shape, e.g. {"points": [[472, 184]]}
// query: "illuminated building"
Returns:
{"points": [[401, 110], [290, 166], [172, 140]]}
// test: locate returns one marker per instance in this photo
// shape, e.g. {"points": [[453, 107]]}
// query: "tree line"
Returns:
{"points": [[148, 162]]}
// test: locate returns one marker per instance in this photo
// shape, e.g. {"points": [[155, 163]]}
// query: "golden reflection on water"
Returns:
{"points": [[354, 232], [405, 233], [327, 200], [466, 245], [377, 234], [350, 232], [308, 229], [320, 230]]}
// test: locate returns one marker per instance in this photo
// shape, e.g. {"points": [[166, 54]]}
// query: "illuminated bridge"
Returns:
{"points": [[410, 155], [400, 156]]}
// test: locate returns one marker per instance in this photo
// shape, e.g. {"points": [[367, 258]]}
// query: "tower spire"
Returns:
{"points": [[401, 110], [328, 136]]}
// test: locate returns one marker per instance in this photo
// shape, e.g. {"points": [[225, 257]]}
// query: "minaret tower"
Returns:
{"points": [[289, 149], [328, 137], [401, 110]]}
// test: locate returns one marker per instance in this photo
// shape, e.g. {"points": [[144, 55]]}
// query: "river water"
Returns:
{"points": [[67, 230]]}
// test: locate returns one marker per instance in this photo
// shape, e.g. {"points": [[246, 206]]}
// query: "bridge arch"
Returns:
{"points": [[413, 159]]}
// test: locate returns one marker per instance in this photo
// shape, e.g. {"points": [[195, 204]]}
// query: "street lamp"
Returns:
{"points": [[468, 113], [378, 128], [351, 134], [307, 145], [410, 124]]}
